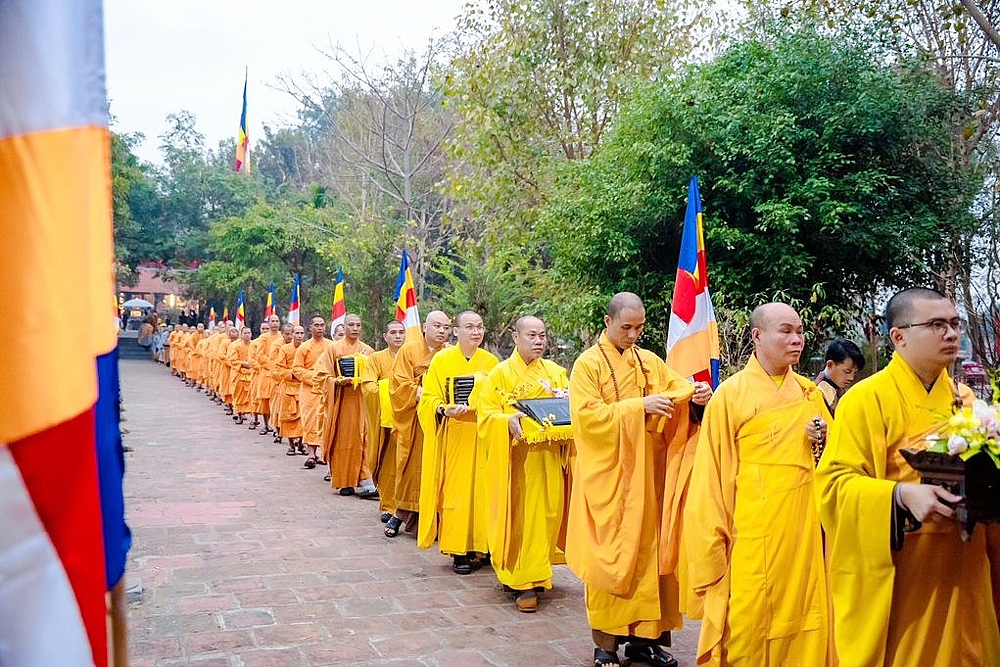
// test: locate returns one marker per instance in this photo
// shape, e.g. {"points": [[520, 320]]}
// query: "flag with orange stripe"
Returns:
{"points": [[339, 312], [57, 273], [406, 300]]}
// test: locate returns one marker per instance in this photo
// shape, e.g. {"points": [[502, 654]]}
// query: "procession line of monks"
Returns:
{"points": [[665, 499]]}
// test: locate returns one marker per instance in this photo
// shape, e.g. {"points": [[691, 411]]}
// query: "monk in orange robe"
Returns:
{"points": [[635, 429], [404, 391], [239, 361], [270, 335], [289, 416], [228, 378], [274, 400], [345, 426], [311, 391], [381, 446]]}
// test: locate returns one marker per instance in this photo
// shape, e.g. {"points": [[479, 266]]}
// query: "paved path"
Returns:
{"points": [[248, 560]]}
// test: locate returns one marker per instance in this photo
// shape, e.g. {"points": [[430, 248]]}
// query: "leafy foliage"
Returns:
{"points": [[817, 165]]}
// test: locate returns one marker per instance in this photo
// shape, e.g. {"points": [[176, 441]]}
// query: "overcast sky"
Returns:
{"points": [[165, 56]]}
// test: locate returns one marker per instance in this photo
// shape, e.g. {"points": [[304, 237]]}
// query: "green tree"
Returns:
{"points": [[818, 165]]}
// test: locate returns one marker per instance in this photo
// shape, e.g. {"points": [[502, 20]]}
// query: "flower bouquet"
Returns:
{"points": [[965, 459]]}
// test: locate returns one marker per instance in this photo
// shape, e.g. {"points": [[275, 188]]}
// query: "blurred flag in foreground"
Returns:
{"points": [[63, 540], [406, 300]]}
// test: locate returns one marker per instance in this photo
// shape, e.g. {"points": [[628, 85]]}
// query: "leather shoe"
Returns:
{"points": [[462, 565], [650, 654]]}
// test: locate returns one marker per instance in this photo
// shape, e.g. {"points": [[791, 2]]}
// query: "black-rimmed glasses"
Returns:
{"points": [[938, 326]]}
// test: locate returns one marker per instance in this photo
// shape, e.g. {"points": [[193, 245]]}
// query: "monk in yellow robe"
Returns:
{"points": [[179, 351], [381, 445], [926, 599], [453, 469], [311, 392], [289, 416], [635, 426], [343, 417], [408, 370], [751, 530], [239, 361], [526, 466], [254, 357], [274, 399]]}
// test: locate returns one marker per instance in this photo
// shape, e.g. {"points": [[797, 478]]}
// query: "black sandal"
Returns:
{"points": [[392, 526], [310, 463], [604, 658], [291, 451]]}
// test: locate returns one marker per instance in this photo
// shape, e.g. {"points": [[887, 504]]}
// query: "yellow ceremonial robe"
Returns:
{"points": [[752, 534], [343, 418], [380, 450], [310, 392], [229, 373], [253, 356], [453, 469], [931, 604], [525, 483], [289, 422], [629, 481], [408, 370]]}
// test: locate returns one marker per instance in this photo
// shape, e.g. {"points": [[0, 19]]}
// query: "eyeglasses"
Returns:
{"points": [[940, 327]]}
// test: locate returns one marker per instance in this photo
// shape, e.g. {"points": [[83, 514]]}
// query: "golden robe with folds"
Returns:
{"points": [[307, 356], [752, 535], [453, 470], [525, 485], [408, 370], [289, 422], [630, 479], [380, 451], [239, 352], [253, 357], [931, 604], [342, 415]]}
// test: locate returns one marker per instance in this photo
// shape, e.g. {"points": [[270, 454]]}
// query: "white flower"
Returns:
{"points": [[957, 444]]}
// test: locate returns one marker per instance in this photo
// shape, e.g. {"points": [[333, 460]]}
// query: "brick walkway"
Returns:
{"points": [[248, 560]]}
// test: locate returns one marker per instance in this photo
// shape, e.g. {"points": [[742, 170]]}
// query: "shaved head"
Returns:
{"points": [[901, 306], [623, 300], [767, 315], [463, 314], [527, 321]]}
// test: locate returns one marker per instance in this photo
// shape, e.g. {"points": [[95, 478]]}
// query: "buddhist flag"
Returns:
{"points": [[269, 306], [293, 308], [241, 314], [243, 141], [406, 299], [339, 307], [63, 539], [693, 334], [225, 314], [211, 318]]}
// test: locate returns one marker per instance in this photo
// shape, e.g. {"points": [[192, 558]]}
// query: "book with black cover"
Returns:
{"points": [[540, 409]]}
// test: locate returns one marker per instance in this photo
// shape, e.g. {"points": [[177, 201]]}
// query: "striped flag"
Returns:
{"points": [[293, 308], [241, 313], [693, 334], [225, 314], [406, 300], [243, 142], [211, 317], [269, 306], [339, 306], [63, 540]]}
